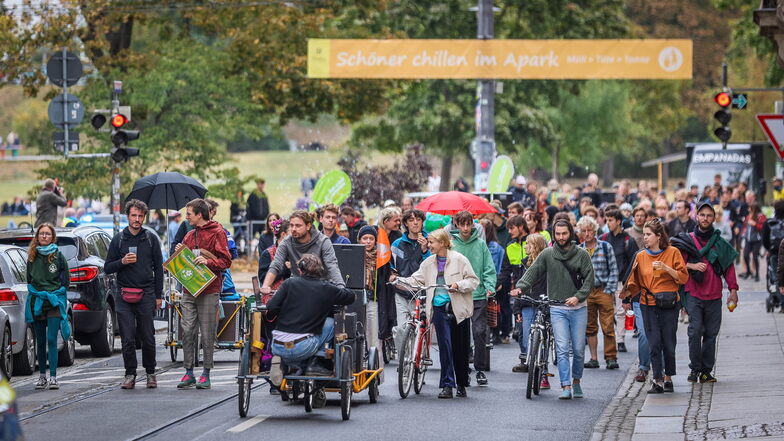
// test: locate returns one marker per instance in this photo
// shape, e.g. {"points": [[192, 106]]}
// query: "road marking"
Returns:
{"points": [[245, 425]]}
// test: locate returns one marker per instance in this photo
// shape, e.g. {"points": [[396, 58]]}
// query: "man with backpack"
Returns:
{"points": [[138, 262], [772, 235], [624, 248], [601, 299]]}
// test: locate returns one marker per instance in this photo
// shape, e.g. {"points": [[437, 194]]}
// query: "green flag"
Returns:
{"points": [[500, 174], [332, 188]]}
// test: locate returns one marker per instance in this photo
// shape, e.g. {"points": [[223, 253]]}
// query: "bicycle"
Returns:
{"points": [[540, 343], [415, 351]]}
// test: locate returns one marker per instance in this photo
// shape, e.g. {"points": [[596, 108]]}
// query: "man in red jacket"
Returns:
{"points": [[208, 241]]}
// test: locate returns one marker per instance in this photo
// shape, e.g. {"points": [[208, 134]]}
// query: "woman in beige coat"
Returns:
{"points": [[449, 310]]}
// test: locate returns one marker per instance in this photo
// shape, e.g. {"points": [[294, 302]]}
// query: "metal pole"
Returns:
{"points": [[725, 88], [486, 117], [116, 171], [66, 145]]}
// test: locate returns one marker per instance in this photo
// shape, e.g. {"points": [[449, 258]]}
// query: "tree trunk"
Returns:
{"points": [[608, 170], [556, 153], [446, 171]]}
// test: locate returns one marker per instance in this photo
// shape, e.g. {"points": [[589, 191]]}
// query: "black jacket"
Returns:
{"points": [[625, 248], [303, 303], [354, 230], [675, 227], [407, 256], [147, 272], [258, 206]]}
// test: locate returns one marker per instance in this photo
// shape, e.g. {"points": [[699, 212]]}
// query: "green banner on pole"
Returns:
{"points": [[500, 174], [332, 188]]}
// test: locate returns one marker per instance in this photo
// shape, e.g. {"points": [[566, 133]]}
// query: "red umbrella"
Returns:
{"points": [[451, 202]]}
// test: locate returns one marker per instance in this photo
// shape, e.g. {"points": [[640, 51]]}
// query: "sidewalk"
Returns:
{"points": [[746, 402]]}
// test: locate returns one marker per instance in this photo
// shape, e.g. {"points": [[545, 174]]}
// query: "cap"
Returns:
{"points": [[520, 180], [626, 206], [706, 204], [389, 203], [497, 206]]}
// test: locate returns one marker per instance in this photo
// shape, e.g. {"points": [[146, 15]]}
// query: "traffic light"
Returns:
{"points": [[121, 137], [723, 116]]}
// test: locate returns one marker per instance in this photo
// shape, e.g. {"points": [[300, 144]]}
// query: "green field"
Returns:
{"points": [[282, 171]]}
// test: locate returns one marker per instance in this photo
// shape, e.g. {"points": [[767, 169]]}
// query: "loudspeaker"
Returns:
{"points": [[351, 261]]}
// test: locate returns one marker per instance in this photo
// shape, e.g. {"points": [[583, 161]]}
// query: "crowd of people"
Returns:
{"points": [[601, 256]]}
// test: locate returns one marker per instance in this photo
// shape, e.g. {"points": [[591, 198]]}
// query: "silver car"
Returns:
{"points": [[13, 297]]}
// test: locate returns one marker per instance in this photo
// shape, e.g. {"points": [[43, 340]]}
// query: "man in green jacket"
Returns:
{"points": [[466, 241], [566, 266]]}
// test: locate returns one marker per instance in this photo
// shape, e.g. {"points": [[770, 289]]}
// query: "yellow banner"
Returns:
{"points": [[501, 59]]}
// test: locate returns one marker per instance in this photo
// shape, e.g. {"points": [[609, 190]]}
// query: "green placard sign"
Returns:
{"points": [[193, 277], [332, 188], [500, 174]]}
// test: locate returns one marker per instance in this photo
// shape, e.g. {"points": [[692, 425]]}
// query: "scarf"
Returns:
{"points": [[637, 229], [47, 250], [370, 269], [704, 235]]}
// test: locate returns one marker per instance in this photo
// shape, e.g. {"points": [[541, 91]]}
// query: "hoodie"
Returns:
{"points": [[291, 250], [211, 237], [475, 250], [147, 272], [559, 281]]}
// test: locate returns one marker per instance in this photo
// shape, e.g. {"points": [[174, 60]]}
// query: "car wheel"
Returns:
{"points": [[67, 354], [24, 361], [102, 342], [7, 353]]}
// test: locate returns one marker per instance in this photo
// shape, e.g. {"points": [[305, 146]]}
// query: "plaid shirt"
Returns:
{"points": [[604, 268]]}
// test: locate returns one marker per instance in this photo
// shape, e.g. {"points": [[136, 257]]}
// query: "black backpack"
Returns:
{"points": [[776, 227]]}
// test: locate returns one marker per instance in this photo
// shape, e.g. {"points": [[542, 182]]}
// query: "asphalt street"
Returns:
{"points": [[91, 406]]}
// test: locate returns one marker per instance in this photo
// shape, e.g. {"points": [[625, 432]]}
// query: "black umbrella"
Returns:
{"points": [[166, 190]]}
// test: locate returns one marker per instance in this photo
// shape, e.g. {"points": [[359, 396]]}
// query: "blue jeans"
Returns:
{"points": [[305, 349], [643, 351], [528, 313], [569, 332]]}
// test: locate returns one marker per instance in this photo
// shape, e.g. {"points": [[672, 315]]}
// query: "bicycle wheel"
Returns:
{"points": [[533, 348], [541, 362], [406, 368], [243, 383], [421, 370]]}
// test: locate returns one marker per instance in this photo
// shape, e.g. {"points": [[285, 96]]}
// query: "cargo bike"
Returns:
{"points": [[356, 367]]}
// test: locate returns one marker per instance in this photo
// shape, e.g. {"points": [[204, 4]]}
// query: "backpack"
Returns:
{"points": [[776, 227]]}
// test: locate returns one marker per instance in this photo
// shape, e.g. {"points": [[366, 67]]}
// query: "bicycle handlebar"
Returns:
{"points": [[544, 301]]}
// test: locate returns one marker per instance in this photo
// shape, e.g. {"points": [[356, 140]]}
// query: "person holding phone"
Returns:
{"points": [[137, 259], [449, 310]]}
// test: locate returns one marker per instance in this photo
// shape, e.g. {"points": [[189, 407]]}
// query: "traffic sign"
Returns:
{"points": [[71, 113], [71, 74], [773, 126], [740, 101], [72, 142]]}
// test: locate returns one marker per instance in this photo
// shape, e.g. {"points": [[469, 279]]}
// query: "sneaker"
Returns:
{"points": [[641, 376], [504, 340], [577, 391], [522, 367], [186, 381], [656, 388], [129, 382], [42, 383], [152, 381], [566, 394], [668, 387], [612, 363], [481, 380], [591, 364], [544, 385], [446, 393], [706, 377], [275, 373], [53, 383], [204, 383], [622, 347], [461, 392], [693, 377]]}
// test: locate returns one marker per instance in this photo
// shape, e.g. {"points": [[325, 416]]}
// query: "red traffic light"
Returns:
{"points": [[119, 120], [723, 99], [483, 165]]}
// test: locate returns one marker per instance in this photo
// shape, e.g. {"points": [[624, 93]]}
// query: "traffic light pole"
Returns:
{"points": [[116, 167], [486, 106]]}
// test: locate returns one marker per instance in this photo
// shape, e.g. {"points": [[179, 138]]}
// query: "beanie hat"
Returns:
{"points": [[367, 229]]}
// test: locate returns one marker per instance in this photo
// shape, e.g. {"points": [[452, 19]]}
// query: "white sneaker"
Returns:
{"points": [[53, 383]]}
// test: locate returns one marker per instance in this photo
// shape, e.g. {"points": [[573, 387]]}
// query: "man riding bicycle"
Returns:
{"points": [[303, 306]]}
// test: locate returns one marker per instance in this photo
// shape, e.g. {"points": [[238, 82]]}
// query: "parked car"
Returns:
{"points": [[18, 335], [6, 349], [92, 292]]}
